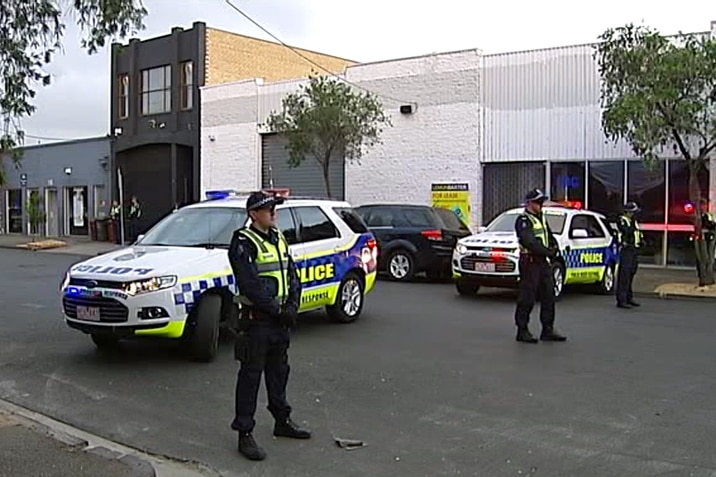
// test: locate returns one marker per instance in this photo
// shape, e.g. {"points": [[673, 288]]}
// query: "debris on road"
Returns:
{"points": [[349, 444], [43, 245]]}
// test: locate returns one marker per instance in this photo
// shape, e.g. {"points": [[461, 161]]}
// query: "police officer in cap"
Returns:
{"points": [[537, 248], [630, 241], [269, 293]]}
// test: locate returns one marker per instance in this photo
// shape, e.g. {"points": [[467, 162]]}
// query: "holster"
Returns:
{"points": [[242, 347]]}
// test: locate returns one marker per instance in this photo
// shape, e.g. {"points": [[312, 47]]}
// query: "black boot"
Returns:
{"points": [[249, 448], [288, 428], [525, 336], [551, 335], [633, 303]]}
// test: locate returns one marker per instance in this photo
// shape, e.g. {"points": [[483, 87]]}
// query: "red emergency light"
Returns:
{"points": [[689, 208]]}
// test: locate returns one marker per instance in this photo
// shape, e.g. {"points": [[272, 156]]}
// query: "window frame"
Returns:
{"points": [[288, 211], [604, 233], [123, 96], [186, 86], [299, 223], [167, 88]]}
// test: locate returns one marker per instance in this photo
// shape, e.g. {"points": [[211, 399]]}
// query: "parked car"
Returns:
{"points": [[587, 240], [413, 238]]}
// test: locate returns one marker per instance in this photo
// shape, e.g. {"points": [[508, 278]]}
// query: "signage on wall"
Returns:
{"points": [[569, 182], [454, 196], [23, 180]]}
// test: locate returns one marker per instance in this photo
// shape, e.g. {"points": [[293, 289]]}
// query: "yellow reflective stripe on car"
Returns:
{"points": [[174, 329]]}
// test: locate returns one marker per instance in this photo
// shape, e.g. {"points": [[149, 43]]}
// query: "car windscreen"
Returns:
{"points": [[450, 220], [506, 223], [197, 227]]}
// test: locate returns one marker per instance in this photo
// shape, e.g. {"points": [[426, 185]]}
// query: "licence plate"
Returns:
{"points": [[484, 267], [88, 313]]}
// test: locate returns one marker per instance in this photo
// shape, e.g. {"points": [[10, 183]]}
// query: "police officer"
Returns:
{"points": [[269, 293], [537, 248], [706, 244], [630, 241]]}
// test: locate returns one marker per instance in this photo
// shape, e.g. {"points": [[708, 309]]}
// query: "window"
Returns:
{"points": [[679, 190], [352, 219], [606, 188], [186, 84], [376, 216], [287, 226], [418, 217], [197, 227], [588, 223], [14, 211], [315, 225], [450, 220], [567, 181], [647, 187], [506, 223], [123, 98], [157, 90]]}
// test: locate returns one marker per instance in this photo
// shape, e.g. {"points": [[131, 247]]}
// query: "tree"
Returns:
{"points": [[31, 33], [326, 117], [35, 214], [658, 94]]}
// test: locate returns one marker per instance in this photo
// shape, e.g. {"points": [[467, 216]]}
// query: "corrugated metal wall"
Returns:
{"points": [[544, 105], [304, 180]]}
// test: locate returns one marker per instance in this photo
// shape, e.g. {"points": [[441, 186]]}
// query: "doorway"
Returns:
{"points": [[14, 211], [76, 211], [52, 222]]}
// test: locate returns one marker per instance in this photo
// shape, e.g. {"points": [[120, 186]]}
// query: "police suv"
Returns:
{"points": [[176, 281], [587, 241]]}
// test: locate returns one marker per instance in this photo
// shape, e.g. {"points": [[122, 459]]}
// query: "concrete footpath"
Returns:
{"points": [[32, 445]]}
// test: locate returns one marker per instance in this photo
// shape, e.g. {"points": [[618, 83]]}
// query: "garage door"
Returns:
{"points": [[304, 180]]}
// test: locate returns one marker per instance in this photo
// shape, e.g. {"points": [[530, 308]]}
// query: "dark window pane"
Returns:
{"points": [[14, 205], [315, 225], [647, 187], [679, 191], [417, 217], [588, 223], [352, 220], [653, 248], [606, 188], [506, 184], [287, 226], [567, 182], [680, 250]]}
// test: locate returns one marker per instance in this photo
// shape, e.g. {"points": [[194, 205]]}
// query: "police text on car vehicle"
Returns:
{"points": [[176, 281], [587, 241]]}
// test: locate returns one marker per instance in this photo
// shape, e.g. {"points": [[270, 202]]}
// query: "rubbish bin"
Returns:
{"points": [[93, 230], [102, 230], [112, 231]]}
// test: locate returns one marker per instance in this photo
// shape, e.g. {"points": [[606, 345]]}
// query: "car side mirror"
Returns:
{"points": [[481, 229], [579, 233], [139, 238]]}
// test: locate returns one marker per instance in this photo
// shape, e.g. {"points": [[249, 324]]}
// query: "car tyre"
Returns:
{"points": [[465, 288], [400, 265], [608, 283], [105, 341], [349, 300], [204, 332], [558, 279]]}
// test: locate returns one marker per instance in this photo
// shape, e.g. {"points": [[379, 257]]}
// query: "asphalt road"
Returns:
{"points": [[434, 384]]}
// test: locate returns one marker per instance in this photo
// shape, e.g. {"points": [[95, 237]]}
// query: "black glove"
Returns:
{"points": [[288, 316]]}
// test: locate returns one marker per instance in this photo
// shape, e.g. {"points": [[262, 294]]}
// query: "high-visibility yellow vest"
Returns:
{"points": [[271, 262], [638, 236], [539, 228]]}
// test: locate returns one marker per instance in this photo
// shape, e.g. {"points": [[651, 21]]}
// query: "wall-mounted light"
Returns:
{"points": [[118, 131], [68, 171], [408, 108], [212, 138]]}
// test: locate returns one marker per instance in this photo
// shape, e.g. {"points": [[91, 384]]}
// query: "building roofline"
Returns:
{"points": [[417, 57], [68, 142], [279, 44]]}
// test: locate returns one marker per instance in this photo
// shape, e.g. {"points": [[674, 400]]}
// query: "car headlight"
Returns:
{"points": [[65, 281], [461, 249], [150, 285]]}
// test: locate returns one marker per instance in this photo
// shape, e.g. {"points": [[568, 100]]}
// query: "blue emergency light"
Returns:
{"points": [[219, 194]]}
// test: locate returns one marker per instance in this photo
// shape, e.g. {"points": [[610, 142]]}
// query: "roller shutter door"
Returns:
{"points": [[304, 180], [505, 185]]}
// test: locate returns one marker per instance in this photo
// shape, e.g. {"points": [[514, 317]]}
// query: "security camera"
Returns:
{"points": [[68, 170]]}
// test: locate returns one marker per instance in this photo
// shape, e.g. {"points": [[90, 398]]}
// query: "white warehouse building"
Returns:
{"points": [[502, 124]]}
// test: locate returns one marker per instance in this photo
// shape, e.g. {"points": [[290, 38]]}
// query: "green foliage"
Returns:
{"points": [[658, 92], [31, 33], [326, 117], [35, 214]]}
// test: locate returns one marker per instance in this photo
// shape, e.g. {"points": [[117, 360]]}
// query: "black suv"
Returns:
{"points": [[413, 238]]}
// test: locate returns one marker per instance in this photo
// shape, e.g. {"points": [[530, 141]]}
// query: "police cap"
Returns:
{"points": [[631, 207], [262, 200], [536, 195]]}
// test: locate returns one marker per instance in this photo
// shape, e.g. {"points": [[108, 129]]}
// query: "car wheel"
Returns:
{"points": [[606, 285], [400, 265], [558, 280], [204, 331], [349, 301], [105, 341], [465, 288]]}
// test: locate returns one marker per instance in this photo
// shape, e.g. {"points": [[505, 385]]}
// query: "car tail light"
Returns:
{"points": [[370, 252], [433, 234]]}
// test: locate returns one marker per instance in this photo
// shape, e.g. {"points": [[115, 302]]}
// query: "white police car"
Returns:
{"points": [[176, 281], [586, 239]]}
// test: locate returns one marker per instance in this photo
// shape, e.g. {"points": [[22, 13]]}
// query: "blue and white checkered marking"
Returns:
{"points": [[572, 257], [192, 290]]}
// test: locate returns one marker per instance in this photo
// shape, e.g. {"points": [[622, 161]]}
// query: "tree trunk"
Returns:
{"points": [[327, 179], [703, 249]]}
